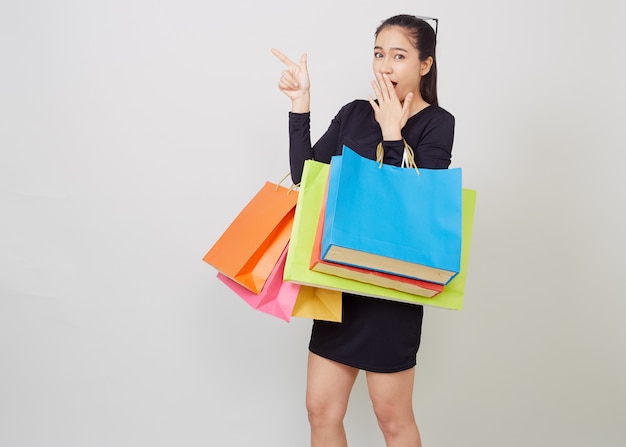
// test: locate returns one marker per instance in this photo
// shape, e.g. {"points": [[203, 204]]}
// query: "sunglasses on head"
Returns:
{"points": [[432, 21]]}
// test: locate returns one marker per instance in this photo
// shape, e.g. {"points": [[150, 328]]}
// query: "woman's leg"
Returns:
{"points": [[328, 389], [392, 398]]}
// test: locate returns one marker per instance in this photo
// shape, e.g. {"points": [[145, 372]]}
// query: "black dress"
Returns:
{"points": [[375, 334]]}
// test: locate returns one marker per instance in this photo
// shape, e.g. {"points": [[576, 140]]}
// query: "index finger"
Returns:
{"points": [[285, 60]]}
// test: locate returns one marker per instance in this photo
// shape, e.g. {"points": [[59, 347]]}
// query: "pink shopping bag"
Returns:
{"points": [[277, 297]]}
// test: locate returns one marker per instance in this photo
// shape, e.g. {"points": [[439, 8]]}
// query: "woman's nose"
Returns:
{"points": [[385, 66]]}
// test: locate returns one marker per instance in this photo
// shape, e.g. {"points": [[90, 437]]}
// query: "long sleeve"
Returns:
{"points": [[299, 143], [393, 151], [300, 148]]}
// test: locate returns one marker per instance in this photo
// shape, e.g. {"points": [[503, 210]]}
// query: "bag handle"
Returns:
{"points": [[408, 156], [293, 186]]}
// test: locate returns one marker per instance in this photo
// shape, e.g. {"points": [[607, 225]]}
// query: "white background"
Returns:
{"points": [[131, 134]]}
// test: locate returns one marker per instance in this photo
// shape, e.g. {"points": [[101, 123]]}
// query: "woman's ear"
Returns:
{"points": [[425, 66]]}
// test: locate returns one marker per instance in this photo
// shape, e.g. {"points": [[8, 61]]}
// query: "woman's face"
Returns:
{"points": [[396, 55]]}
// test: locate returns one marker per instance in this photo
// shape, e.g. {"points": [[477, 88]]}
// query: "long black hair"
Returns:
{"points": [[425, 39]]}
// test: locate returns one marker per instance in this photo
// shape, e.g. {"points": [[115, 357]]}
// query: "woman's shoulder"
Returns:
{"points": [[432, 117], [357, 106], [434, 111], [355, 111]]}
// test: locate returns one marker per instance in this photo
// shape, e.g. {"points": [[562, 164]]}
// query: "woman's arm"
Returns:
{"points": [[300, 148], [295, 83], [299, 143]]}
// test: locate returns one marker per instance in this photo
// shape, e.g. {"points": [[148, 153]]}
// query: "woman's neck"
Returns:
{"points": [[417, 105]]}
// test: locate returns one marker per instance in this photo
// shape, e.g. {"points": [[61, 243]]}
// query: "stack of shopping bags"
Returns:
{"points": [[250, 259], [355, 226], [388, 232]]}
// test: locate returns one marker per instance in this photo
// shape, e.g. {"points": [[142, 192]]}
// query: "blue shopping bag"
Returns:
{"points": [[393, 219]]}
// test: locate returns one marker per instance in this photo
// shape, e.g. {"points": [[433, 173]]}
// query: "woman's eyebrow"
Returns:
{"points": [[393, 48]]}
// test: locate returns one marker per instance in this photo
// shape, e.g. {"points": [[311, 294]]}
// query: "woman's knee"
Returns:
{"points": [[392, 400], [328, 390], [393, 419], [323, 411]]}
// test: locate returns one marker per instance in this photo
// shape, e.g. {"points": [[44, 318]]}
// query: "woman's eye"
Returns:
{"points": [[378, 55], [399, 56]]}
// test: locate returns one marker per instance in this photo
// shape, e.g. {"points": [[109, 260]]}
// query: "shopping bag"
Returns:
{"points": [[319, 304], [277, 298], [308, 208], [388, 280], [392, 219], [249, 249]]}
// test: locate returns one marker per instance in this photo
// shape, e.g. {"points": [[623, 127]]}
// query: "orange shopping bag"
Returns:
{"points": [[249, 249]]}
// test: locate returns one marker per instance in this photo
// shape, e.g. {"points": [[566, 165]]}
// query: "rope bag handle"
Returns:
{"points": [[408, 156]]}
